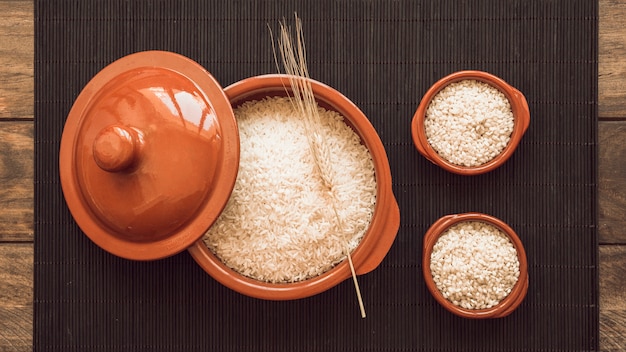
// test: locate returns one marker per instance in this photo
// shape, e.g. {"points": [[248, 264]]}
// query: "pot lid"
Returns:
{"points": [[149, 155]]}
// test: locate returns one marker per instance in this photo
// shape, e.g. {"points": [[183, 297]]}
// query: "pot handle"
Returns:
{"points": [[419, 143], [525, 111], [388, 235], [416, 140]]}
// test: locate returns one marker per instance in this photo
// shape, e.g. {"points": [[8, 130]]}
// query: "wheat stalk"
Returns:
{"points": [[293, 54]]}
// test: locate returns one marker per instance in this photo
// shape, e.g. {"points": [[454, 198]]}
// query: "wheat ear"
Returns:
{"points": [[294, 61]]}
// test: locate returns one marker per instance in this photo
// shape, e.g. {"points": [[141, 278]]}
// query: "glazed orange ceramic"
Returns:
{"points": [[510, 302], [385, 222], [149, 155], [519, 107]]}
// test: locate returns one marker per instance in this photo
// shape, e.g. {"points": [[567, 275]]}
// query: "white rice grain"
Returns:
{"points": [[278, 226], [469, 122], [474, 265]]}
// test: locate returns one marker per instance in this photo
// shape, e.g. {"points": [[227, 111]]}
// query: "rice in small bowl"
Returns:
{"points": [[273, 243], [470, 122], [475, 265]]}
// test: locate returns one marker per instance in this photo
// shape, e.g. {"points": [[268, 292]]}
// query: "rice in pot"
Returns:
{"points": [[278, 225], [469, 122]]}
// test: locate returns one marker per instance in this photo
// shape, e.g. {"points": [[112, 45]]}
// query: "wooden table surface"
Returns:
{"points": [[17, 170]]}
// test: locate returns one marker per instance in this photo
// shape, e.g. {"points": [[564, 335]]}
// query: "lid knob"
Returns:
{"points": [[116, 147]]}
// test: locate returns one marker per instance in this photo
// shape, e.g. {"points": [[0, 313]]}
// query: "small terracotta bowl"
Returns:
{"points": [[384, 224], [508, 304], [519, 107]]}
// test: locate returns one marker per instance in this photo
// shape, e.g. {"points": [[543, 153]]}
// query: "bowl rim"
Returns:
{"points": [[508, 304], [375, 243], [519, 105]]}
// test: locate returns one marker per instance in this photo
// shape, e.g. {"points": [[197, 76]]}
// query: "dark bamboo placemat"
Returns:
{"points": [[382, 54]]}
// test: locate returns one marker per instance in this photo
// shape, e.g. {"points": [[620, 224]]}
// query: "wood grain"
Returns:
{"points": [[16, 180], [611, 53], [16, 329], [612, 298], [612, 182], [16, 297], [16, 59]]}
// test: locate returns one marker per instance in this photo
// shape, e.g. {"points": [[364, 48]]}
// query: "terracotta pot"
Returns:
{"points": [[376, 241], [510, 302], [519, 107], [149, 155]]}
